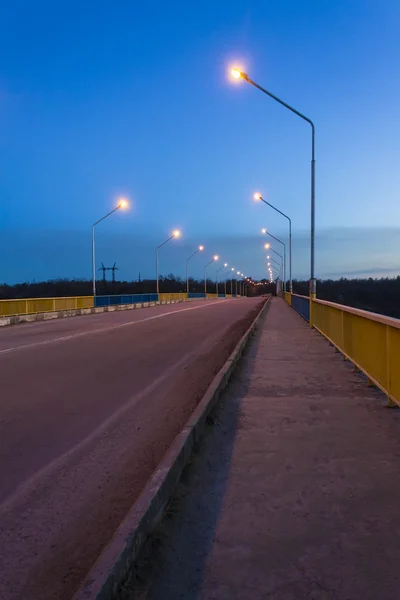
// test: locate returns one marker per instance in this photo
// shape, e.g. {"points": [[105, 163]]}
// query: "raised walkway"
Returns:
{"points": [[295, 492]]}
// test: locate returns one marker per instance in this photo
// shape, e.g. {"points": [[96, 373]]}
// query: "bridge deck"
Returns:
{"points": [[295, 491]]}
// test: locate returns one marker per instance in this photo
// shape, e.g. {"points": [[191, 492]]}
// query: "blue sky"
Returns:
{"points": [[99, 99]]}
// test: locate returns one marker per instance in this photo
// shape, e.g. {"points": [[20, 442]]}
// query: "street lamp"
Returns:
{"points": [[260, 198], [122, 203], [216, 275], [226, 275], [214, 258], [199, 249], [175, 234], [237, 74], [268, 246], [276, 265]]}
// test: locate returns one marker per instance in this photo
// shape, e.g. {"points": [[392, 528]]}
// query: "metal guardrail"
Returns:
{"points": [[369, 340], [31, 306], [301, 304], [125, 299], [172, 297]]}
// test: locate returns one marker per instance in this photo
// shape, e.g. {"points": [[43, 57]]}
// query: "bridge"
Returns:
{"points": [[292, 493]]}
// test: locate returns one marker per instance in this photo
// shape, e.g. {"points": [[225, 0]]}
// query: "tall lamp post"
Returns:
{"points": [[199, 249], [175, 234], [214, 259], [267, 246], [240, 75], [237, 273], [259, 197], [226, 275], [121, 204], [279, 266], [216, 275], [233, 271]]}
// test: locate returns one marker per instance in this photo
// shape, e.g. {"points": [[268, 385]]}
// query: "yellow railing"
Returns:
{"points": [[211, 296], [369, 340], [288, 297], [170, 297], [30, 306]]}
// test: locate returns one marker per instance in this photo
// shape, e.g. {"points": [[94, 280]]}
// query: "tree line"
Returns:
{"points": [[375, 295]]}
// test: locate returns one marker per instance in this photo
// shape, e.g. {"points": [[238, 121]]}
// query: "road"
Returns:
{"points": [[89, 406]]}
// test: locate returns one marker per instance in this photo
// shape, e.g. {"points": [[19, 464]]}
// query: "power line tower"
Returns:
{"points": [[104, 269], [112, 269]]}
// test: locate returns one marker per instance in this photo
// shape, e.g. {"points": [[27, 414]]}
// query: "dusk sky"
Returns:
{"points": [[101, 99]]}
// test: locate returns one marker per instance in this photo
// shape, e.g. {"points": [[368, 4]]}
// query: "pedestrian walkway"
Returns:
{"points": [[295, 491]]}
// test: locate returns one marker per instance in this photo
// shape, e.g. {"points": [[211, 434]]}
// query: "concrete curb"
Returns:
{"points": [[48, 316], [113, 568]]}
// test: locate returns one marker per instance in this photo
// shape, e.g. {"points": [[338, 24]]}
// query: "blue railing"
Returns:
{"points": [[125, 299], [302, 305], [197, 295]]}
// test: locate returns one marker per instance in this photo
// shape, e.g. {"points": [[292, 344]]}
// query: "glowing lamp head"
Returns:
{"points": [[216, 257], [263, 230], [267, 246], [257, 196], [238, 272], [236, 73], [122, 203], [269, 264], [201, 248], [176, 233], [268, 257], [233, 268], [225, 264]]}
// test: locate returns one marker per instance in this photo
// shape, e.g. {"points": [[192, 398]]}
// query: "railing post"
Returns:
{"points": [[313, 295], [344, 350], [391, 404]]}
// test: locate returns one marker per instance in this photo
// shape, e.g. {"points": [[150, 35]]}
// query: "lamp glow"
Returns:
{"points": [[122, 203], [236, 73], [257, 196], [201, 248], [176, 233], [216, 257]]}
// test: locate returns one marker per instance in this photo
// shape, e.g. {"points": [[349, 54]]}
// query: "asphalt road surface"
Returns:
{"points": [[88, 407]]}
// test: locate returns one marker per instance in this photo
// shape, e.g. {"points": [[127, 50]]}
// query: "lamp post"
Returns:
{"points": [[226, 275], [121, 204], [233, 271], [267, 246], [175, 234], [216, 275], [279, 266], [280, 263], [238, 273], [240, 75], [199, 249], [214, 258], [259, 197]]}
